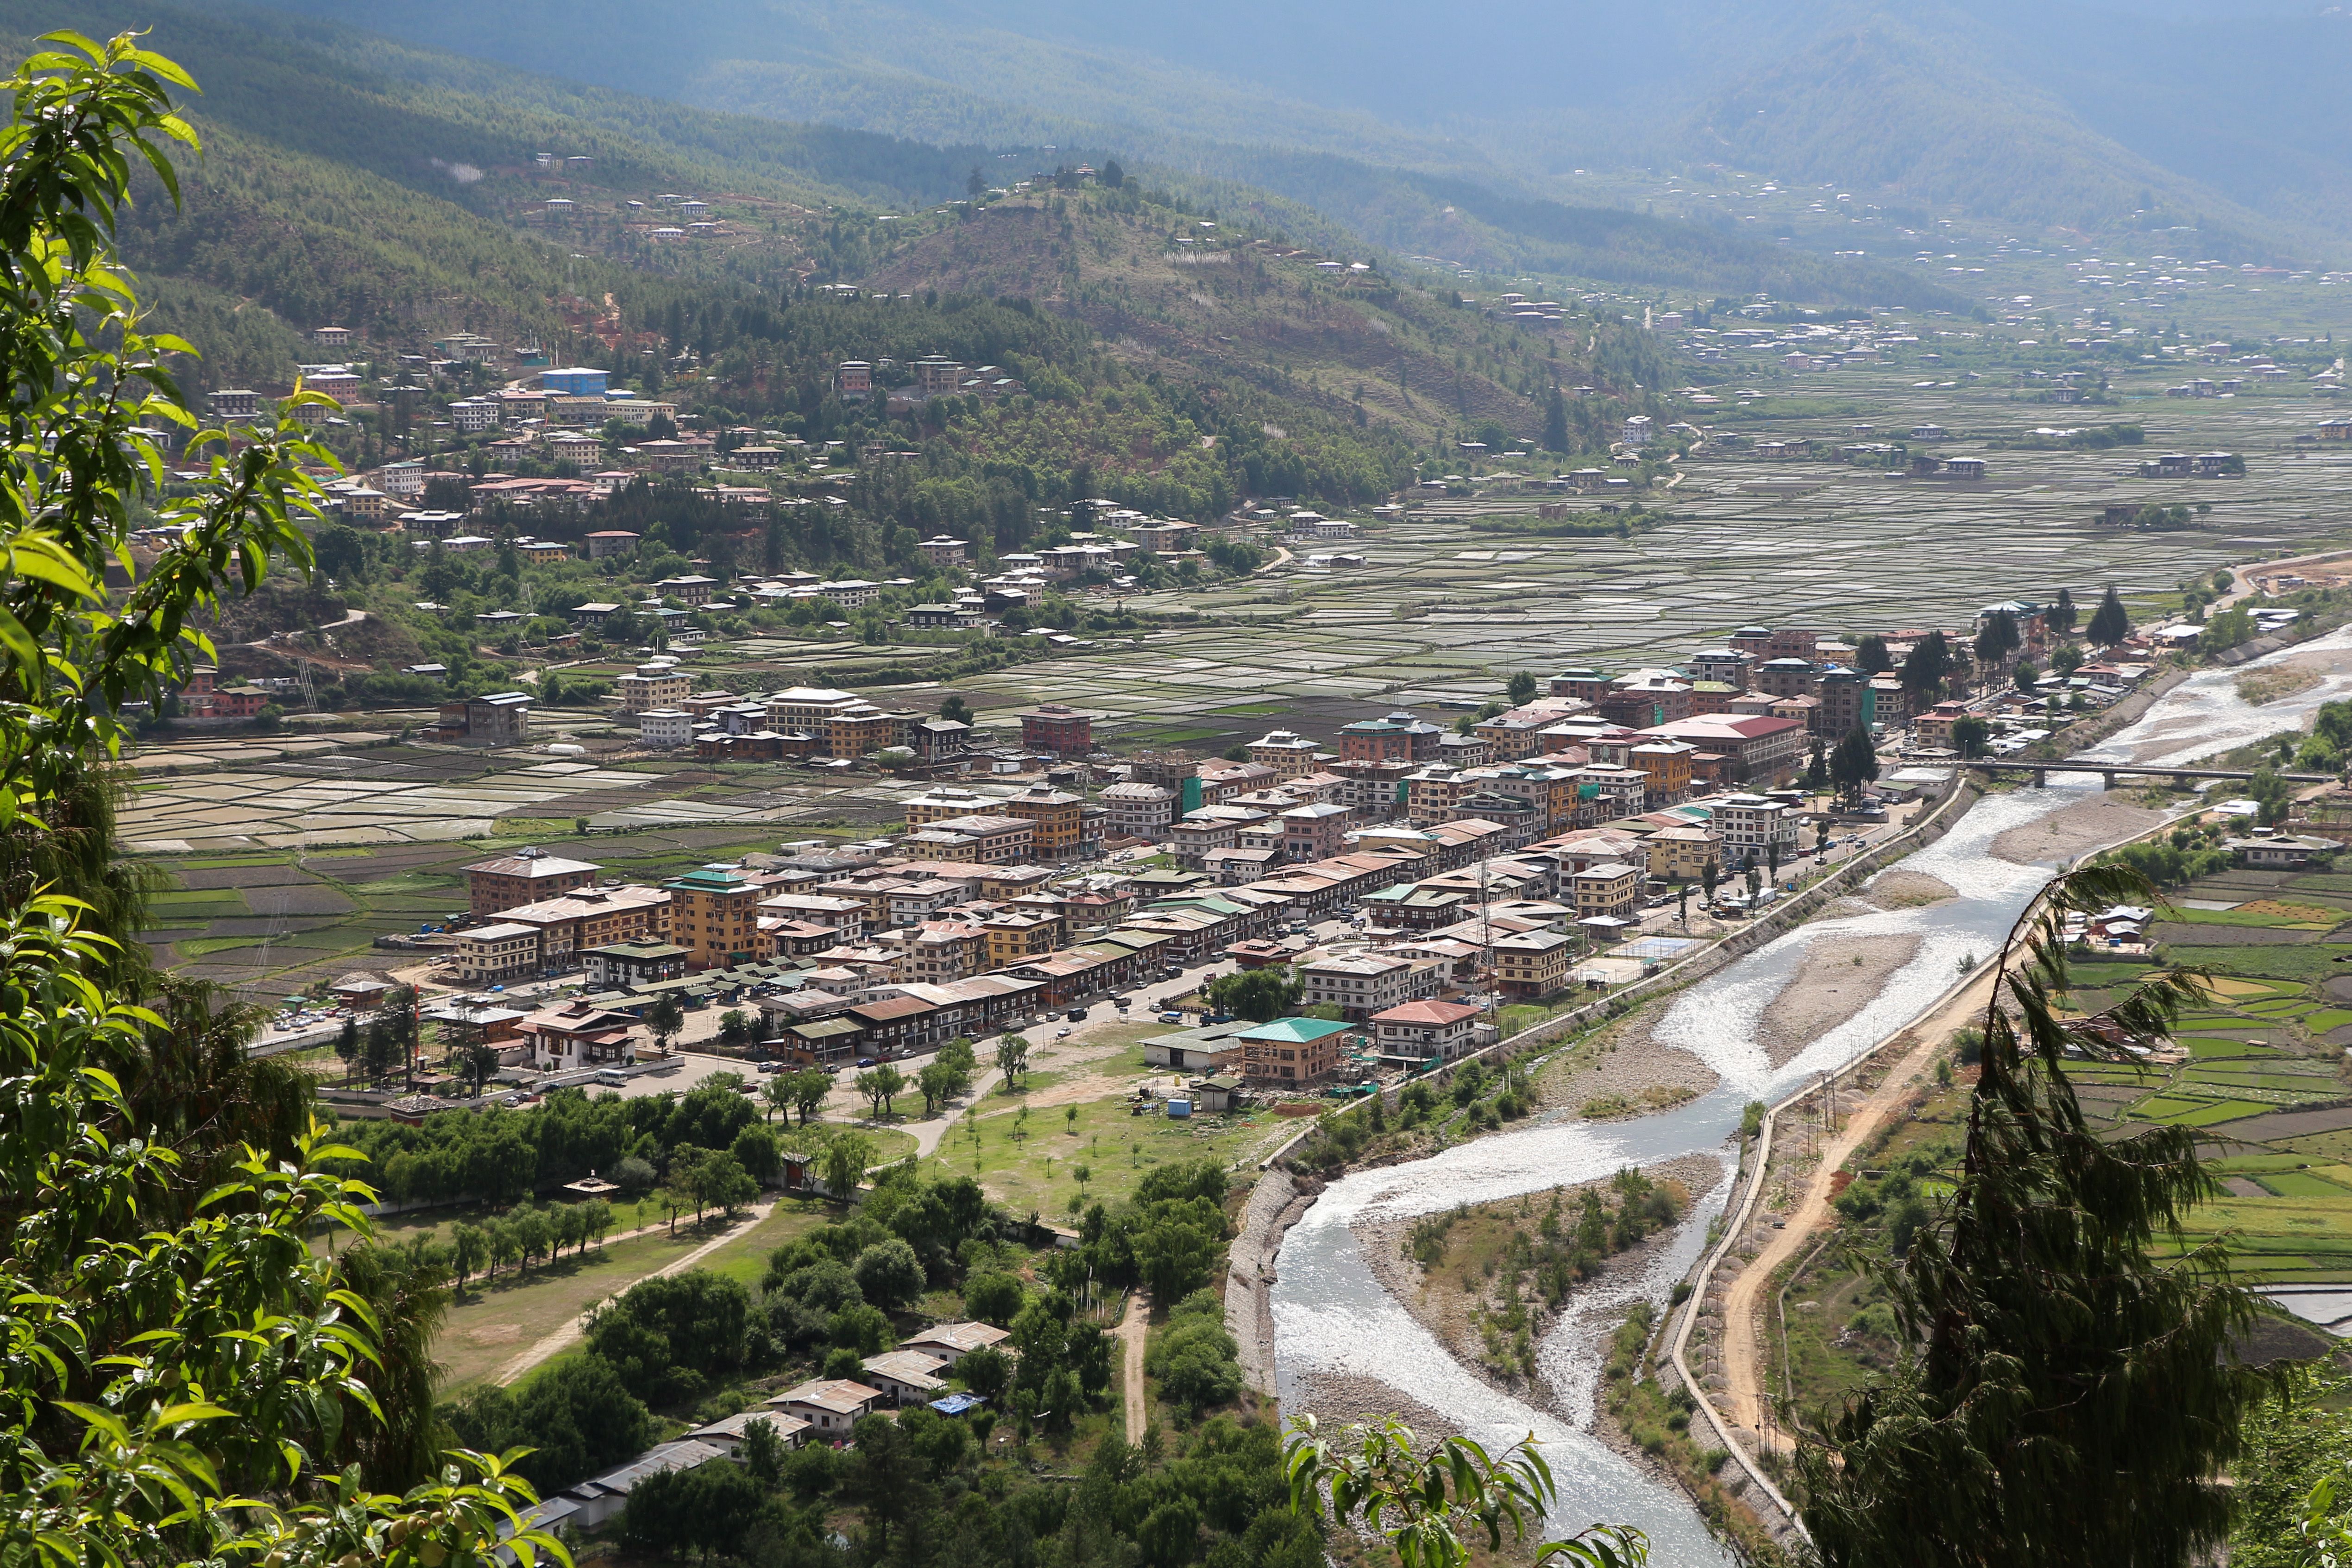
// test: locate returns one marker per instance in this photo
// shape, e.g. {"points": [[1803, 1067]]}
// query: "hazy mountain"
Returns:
{"points": [[2219, 113]]}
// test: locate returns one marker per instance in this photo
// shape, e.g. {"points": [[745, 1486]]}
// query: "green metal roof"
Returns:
{"points": [[1296, 1031]]}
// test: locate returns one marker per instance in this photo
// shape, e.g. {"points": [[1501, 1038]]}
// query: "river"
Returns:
{"points": [[1331, 1315]]}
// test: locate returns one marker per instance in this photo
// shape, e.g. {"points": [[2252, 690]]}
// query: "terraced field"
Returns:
{"points": [[2265, 1073]]}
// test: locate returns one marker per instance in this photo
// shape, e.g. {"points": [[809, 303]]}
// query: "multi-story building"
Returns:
{"points": [[575, 1035], [1398, 738], [652, 686], [1723, 666], [854, 380], [571, 923], [1291, 1053], [1750, 825], [500, 718], [1613, 890], [666, 727], [862, 731], [1424, 1031], [806, 707], [715, 915], [1314, 832], [1286, 753], [1058, 819], [497, 951], [1059, 731], [1533, 964], [524, 877], [1585, 683], [947, 800], [1682, 854], [1196, 833], [988, 840], [1786, 677], [1140, 810], [1665, 768], [1848, 702], [1367, 984], [633, 964], [1757, 749]]}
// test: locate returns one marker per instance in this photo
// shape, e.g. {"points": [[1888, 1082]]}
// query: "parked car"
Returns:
{"points": [[1075, 1015], [1172, 1016], [865, 1062]]}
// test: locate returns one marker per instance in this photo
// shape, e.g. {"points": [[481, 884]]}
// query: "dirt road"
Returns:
{"points": [[1743, 1402], [570, 1334], [1132, 1330]]}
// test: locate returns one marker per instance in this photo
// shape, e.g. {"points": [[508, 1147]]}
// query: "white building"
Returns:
{"points": [[666, 727]]}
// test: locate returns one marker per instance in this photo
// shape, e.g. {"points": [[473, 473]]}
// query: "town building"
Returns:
{"points": [[1423, 1031], [652, 686], [625, 965], [1365, 983], [1058, 817], [577, 1035], [715, 915], [1533, 964], [666, 727], [1750, 825], [1291, 1053], [1142, 811], [1289, 754], [525, 877]]}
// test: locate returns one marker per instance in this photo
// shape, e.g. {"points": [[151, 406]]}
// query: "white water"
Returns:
{"points": [[1331, 1315]]}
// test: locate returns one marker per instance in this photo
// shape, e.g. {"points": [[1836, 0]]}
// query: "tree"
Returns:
{"points": [[2059, 617], [635, 1177], [1260, 996], [470, 1249], [936, 1079], [737, 1027], [1970, 734], [2076, 1398], [2110, 624], [1522, 688], [720, 1182], [1012, 1057], [889, 1274], [1555, 421], [1709, 874], [955, 710], [843, 1164], [1817, 768], [1925, 669], [665, 1018], [347, 1046], [961, 1062], [1871, 657], [1854, 763], [1112, 175], [756, 1150], [1424, 1504], [777, 1093], [1681, 902], [879, 1086], [810, 1087], [1997, 638]]}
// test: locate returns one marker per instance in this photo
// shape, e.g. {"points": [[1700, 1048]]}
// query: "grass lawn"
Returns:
{"points": [[1032, 1164], [500, 1318]]}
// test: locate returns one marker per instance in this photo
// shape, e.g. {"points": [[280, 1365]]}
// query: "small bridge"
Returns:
{"points": [[2179, 778]]}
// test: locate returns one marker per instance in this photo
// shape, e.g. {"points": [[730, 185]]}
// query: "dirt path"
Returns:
{"points": [[1742, 1402], [570, 1334], [1132, 1331]]}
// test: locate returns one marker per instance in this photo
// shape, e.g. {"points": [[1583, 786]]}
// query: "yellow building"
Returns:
{"points": [[715, 916], [1682, 854], [1056, 817]]}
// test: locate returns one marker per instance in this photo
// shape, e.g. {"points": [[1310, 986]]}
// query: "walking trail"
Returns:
{"points": [[1132, 1330], [1743, 1402], [571, 1332]]}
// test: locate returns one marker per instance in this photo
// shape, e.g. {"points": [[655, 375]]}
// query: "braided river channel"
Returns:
{"points": [[1334, 1318]]}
